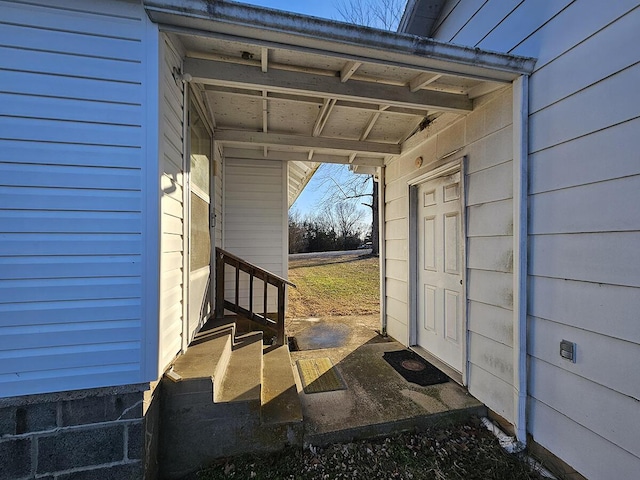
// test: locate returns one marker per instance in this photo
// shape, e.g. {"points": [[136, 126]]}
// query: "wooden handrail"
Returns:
{"points": [[225, 258], [256, 268]]}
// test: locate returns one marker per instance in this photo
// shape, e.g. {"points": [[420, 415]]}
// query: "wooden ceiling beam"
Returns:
{"points": [[315, 100], [245, 137], [211, 72], [231, 152]]}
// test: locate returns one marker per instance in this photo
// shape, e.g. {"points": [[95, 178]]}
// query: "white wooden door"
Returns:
{"points": [[440, 269]]}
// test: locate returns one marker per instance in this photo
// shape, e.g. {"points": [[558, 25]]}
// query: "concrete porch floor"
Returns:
{"points": [[378, 400]]}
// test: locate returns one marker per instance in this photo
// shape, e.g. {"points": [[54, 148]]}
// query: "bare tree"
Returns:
{"points": [[340, 185], [383, 14], [347, 219]]}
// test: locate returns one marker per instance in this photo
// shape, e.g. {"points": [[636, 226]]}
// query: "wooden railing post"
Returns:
{"points": [[251, 292], [219, 284], [281, 301], [237, 284], [264, 297]]}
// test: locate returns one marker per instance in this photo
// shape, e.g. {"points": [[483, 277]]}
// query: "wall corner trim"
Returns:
{"points": [[520, 199]]}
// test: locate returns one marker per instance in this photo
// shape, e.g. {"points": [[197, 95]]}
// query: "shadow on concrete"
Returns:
{"points": [[378, 400]]}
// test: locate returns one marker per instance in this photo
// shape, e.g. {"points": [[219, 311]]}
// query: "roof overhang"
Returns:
{"points": [[269, 27], [306, 90]]}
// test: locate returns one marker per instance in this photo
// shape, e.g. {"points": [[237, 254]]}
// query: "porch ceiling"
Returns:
{"points": [[307, 90]]}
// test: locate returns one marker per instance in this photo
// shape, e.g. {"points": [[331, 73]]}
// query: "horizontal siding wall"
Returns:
{"points": [[584, 224], [255, 209], [173, 212], [485, 137], [75, 253]]}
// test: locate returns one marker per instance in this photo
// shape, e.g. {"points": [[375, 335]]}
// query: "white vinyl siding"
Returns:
{"points": [[255, 209], [76, 106], [172, 204], [485, 138], [584, 225]]}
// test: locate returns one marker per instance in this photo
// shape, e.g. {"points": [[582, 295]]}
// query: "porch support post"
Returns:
{"points": [[382, 251], [520, 199]]}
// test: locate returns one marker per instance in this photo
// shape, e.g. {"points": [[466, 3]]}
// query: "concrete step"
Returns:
{"points": [[196, 376], [243, 379], [217, 405], [280, 400]]}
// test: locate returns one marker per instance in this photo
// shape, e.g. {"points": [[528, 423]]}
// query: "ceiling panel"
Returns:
{"points": [[390, 128], [346, 123], [291, 117], [234, 111], [386, 73]]}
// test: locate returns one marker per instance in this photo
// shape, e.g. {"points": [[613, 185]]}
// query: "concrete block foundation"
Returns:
{"points": [[106, 433]]}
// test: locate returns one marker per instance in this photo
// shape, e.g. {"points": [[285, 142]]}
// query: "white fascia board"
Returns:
{"points": [[275, 28]]}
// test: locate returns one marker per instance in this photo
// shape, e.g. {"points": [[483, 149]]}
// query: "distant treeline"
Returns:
{"points": [[338, 228]]}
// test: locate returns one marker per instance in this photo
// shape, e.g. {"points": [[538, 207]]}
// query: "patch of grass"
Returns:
{"points": [[464, 451], [336, 286]]}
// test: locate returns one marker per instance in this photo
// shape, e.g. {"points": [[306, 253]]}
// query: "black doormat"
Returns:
{"points": [[414, 368]]}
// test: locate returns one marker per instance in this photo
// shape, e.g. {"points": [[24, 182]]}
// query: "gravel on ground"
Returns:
{"points": [[465, 451]]}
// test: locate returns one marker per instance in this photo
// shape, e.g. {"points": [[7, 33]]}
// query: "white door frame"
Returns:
{"points": [[413, 184], [189, 95]]}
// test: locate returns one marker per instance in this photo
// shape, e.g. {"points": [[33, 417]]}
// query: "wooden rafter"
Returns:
{"points": [[348, 70], [372, 121], [422, 80], [323, 116], [264, 59]]}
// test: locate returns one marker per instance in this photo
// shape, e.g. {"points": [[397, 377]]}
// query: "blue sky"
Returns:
{"points": [[307, 201], [324, 9]]}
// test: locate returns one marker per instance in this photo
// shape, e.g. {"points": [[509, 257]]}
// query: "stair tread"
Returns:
{"points": [[280, 400], [242, 381], [207, 354]]}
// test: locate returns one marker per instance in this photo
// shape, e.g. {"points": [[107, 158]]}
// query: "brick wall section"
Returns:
{"points": [[73, 435]]}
